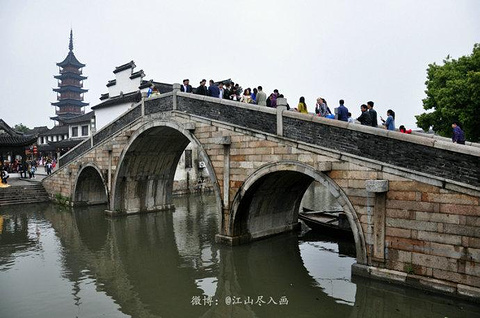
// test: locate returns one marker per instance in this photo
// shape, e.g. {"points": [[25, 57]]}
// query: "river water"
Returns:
{"points": [[62, 262]]}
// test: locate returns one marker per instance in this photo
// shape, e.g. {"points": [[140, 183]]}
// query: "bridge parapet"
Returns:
{"points": [[427, 156], [431, 157]]}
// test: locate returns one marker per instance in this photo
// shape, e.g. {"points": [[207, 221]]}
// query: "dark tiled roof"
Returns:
{"points": [[37, 130], [104, 96], [8, 130], [66, 143], [111, 83], [134, 97], [123, 67], [46, 147], [79, 119], [64, 116], [71, 60], [137, 74], [17, 141], [12, 138], [56, 130], [162, 87]]}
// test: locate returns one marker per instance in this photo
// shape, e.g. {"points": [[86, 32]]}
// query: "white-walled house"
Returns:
{"points": [[61, 138], [125, 91]]}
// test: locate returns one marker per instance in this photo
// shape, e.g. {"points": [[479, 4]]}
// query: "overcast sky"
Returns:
{"points": [[352, 49]]}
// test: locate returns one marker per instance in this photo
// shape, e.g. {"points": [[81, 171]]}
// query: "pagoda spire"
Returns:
{"points": [[70, 89], [70, 46]]}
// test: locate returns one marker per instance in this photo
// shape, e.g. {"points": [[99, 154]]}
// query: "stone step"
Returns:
{"points": [[5, 203], [23, 194]]}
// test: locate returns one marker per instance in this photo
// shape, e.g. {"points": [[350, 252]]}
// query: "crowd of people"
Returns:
{"points": [[26, 167], [233, 91]]}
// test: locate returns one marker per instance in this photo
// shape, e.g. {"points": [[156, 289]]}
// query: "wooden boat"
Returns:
{"points": [[328, 222]]}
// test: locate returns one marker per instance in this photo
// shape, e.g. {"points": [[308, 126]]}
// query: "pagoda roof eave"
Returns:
{"points": [[70, 88], [71, 60], [70, 75], [72, 102]]}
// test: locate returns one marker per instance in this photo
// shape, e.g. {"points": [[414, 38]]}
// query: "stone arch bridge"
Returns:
{"points": [[412, 202]]}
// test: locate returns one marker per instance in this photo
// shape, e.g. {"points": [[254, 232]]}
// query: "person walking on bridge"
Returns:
{"points": [[365, 118], [373, 114], [261, 97], [458, 134], [5, 176], [186, 87], [389, 123], [342, 111], [202, 89], [302, 106], [213, 90]]}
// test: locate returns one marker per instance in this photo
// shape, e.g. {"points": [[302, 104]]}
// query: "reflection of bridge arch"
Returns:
{"points": [[146, 168], [90, 187], [269, 200]]}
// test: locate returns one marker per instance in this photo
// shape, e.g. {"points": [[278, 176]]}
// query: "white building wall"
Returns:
{"points": [[106, 115], [124, 84]]}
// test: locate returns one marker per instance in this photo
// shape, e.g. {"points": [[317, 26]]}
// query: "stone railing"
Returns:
{"points": [[430, 156]]}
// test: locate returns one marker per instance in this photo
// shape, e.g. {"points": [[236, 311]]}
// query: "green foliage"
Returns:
{"points": [[409, 269], [62, 200], [21, 128], [453, 93]]}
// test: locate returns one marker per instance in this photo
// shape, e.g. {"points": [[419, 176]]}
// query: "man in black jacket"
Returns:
{"points": [[373, 114], [365, 118], [186, 87], [202, 89]]}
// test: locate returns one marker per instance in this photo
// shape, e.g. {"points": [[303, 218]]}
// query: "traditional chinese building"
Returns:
{"points": [[70, 87], [72, 125], [13, 144]]}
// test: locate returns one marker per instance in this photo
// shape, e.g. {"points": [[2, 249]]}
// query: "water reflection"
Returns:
{"points": [[84, 264], [17, 236]]}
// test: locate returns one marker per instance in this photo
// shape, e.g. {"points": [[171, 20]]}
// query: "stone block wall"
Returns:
{"points": [[229, 112], [433, 232], [63, 180], [429, 231]]}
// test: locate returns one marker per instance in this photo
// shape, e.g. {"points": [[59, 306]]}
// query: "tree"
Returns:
{"points": [[21, 128], [453, 92]]}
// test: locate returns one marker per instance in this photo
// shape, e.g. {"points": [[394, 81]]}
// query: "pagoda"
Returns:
{"points": [[70, 87]]}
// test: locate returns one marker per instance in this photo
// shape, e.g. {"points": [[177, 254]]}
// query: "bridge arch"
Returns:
{"points": [[146, 167], [90, 187], [269, 200]]}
